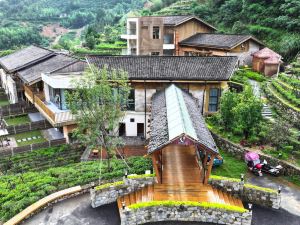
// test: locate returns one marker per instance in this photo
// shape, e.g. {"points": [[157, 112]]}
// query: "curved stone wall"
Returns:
{"points": [[184, 213]]}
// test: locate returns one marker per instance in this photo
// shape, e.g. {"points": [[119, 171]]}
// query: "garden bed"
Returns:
{"points": [[17, 120], [28, 138]]}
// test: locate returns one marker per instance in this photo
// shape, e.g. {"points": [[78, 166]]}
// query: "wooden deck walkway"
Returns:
{"points": [[181, 181], [179, 165]]}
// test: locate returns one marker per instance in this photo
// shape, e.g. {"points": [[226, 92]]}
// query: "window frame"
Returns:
{"points": [[213, 106], [156, 32]]}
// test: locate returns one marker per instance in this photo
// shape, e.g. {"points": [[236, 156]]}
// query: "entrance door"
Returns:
{"points": [[122, 130], [140, 129]]}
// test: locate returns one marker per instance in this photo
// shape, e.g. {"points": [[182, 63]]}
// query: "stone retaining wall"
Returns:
{"points": [[111, 194], [239, 152], [248, 194], [184, 213]]}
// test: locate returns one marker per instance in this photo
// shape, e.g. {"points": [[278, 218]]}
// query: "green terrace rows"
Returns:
{"points": [[290, 80], [40, 159], [21, 190], [287, 92]]}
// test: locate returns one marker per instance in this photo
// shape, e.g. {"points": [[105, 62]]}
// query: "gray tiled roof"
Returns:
{"points": [[33, 73], [159, 134], [169, 67], [223, 41], [23, 58]]}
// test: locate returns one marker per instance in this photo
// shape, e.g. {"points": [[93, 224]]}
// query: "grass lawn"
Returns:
{"points": [[231, 167], [17, 120], [37, 134], [4, 102]]}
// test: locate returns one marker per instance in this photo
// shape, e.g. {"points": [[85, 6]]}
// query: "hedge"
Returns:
{"points": [[187, 203]]}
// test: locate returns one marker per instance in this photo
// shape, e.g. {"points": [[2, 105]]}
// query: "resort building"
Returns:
{"points": [[22, 70], [242, 46], [204, 78], [160, 35]]}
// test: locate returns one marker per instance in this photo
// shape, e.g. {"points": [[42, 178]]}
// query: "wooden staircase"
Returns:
{"points": [[180, 192]]}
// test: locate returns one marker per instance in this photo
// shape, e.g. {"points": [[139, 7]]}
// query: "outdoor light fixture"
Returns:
{"points": [[242, 177], [250, 207], [279, 189], [126, 173], [123, 205]]}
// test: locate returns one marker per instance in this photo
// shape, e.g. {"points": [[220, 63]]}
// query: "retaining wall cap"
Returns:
{"points": [[41, 203]]}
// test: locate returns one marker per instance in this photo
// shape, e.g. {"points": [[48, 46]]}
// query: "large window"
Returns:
{"points": [[213, 100], [155, 32], [131, 101], [57, 97]]}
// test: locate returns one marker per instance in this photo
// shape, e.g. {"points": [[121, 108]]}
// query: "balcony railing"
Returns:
{"points": [[55, 118]]}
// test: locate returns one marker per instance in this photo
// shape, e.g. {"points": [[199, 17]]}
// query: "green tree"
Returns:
{"points": [[97, 103], [247, 113], [229, 100], [280, 134]]}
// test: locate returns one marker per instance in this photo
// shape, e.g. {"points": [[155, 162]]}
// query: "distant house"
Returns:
{"points": [[266, 61], [201, 44], [160, 35]]}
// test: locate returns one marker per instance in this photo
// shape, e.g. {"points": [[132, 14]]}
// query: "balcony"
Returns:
{"points": [[130, 34], [54, 115]]}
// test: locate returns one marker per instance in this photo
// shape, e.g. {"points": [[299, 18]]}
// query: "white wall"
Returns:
{"points": [[131, 127], [9, 86], [245, 58]]}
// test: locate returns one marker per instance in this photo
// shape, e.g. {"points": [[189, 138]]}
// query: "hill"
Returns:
{"points": [[22, 21], [276, 22]]}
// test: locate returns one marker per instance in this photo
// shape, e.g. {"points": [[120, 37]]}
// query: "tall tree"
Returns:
{"points": [[97, 104]]}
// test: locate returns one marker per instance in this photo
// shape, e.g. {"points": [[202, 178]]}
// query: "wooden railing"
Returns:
{"points": [[40, 104], [29, 93]]}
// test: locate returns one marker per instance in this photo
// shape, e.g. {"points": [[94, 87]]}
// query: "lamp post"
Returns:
{"points": [[250, 207], [123, 205], [242, 178], [126, 173], [279, 190]]}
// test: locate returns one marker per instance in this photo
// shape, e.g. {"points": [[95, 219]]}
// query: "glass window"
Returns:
{"points": [[131, 101], [155, 32], [213, 100]]}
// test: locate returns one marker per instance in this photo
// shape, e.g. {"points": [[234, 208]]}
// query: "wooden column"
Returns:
{"points": [[155, 162], [211, 162]]}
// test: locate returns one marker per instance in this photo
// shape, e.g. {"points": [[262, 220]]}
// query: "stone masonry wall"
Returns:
{"points": [[183, 213], [248, 194], [111, 194], [239, 152]]}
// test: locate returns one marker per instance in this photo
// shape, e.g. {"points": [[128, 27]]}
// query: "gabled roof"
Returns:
{"points": [[269, 55], [217, 41], [33, 73], [169, 67], [175, 113], [23, 58], [179, 19]]}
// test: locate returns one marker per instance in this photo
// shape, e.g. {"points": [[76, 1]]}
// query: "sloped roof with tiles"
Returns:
{"points": [[33, 73], [269, 55], [218, 41], [169, 67], [25, 57], [176, 113]]}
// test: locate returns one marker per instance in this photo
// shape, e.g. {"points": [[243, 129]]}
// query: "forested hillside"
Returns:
{"points": [[22, 20], [276, 22]]}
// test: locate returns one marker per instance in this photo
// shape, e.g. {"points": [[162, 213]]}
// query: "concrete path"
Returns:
{"points": [[290, 194], [266, 111]]}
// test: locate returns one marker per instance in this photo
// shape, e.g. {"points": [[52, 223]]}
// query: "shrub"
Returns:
{"points": [[188, 203]]}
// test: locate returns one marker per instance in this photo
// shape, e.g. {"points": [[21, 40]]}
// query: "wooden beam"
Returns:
{"points": [[155, 161], [211, 162]]}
